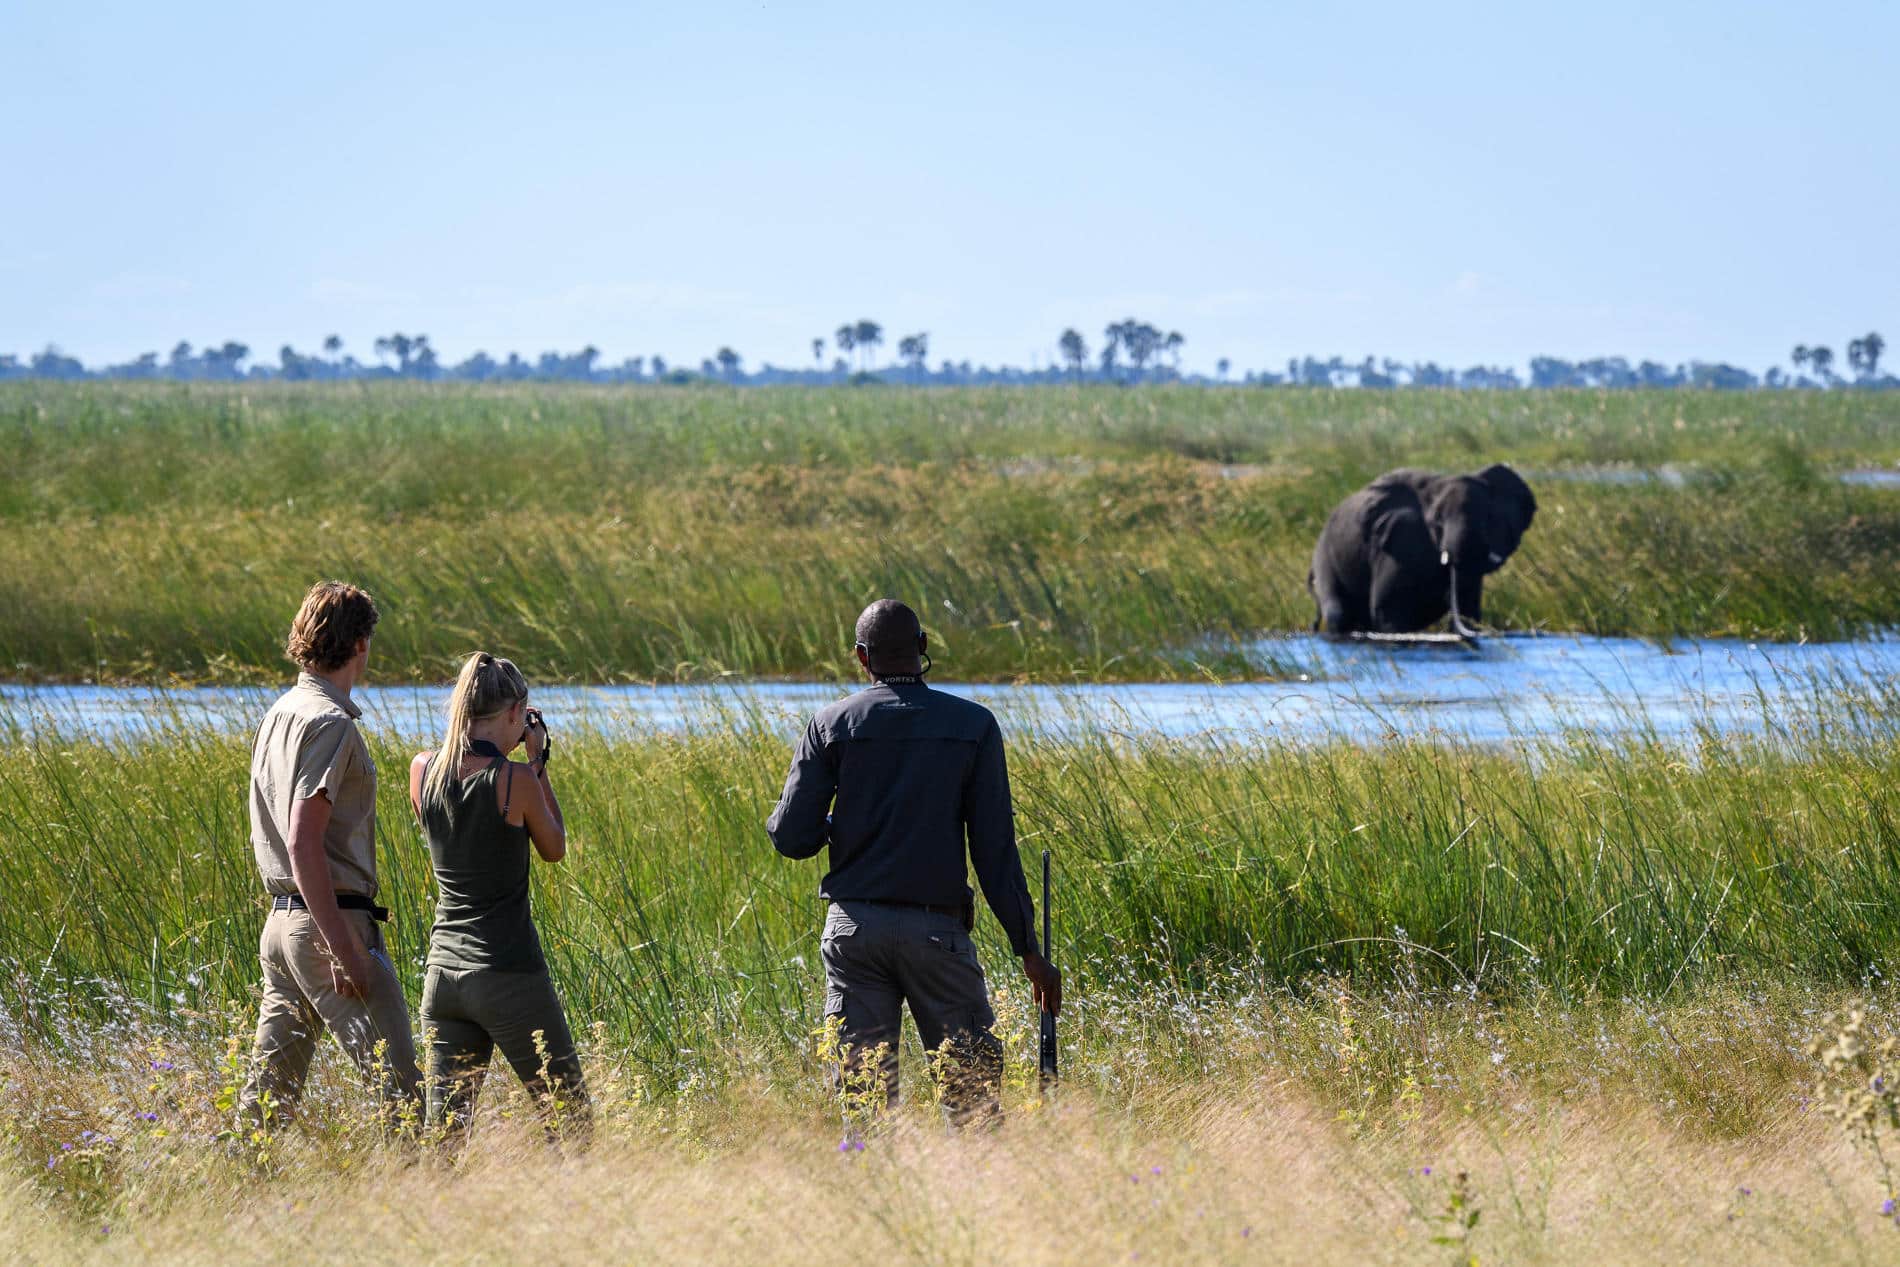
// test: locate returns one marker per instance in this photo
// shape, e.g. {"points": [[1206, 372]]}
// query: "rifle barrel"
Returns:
{"points": [[1048, 1034]]}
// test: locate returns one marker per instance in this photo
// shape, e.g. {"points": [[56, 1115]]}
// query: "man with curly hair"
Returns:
{"points": [[313, 829]]}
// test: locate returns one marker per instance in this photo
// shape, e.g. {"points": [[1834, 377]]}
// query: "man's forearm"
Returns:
{"points": [[1008, 896], [799, 825], [310, 872]]}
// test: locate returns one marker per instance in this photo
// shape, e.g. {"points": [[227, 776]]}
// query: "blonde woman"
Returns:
{"points": [[487, 984]]}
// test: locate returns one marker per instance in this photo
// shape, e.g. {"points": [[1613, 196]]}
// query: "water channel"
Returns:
{"points": [[1519, 688]]}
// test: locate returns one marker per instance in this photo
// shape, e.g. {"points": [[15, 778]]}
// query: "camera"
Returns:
{"points": [[536, 722]]}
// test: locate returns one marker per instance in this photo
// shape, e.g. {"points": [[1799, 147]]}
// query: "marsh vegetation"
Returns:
{"points": [[153, 531]]}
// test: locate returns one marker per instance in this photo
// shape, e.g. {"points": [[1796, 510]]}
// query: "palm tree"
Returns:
{"points": [[1800, 355], [1821, 359], [846, 338], [728, 362], [1074, 351], [914, 348], [332, 344], [818, 352], [1140, 340], [869, 334], [403, 346], [1173, 344], [1221, 367], [1863, 354]]}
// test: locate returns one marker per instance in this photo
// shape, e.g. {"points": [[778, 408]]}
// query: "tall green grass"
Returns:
{"points": [[1582, 868], [154, 531], [103, 449]]}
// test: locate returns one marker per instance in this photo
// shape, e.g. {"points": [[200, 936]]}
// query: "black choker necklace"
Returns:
{"points": [[482, 748]]}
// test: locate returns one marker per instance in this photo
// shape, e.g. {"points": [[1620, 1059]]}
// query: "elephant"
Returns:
{"points": [[1398, 554]]}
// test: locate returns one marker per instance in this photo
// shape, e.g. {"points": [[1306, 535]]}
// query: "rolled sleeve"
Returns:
{"points": [[797, 825], [325, 757], [990, 821]]}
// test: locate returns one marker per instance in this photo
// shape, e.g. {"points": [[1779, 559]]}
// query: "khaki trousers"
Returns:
{"points": [[300, 1000]]}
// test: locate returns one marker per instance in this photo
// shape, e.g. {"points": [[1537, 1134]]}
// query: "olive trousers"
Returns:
{"points": [[468, 1012]]}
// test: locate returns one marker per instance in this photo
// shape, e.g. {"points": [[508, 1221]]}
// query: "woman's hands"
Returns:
{"points": [[535, 737]]}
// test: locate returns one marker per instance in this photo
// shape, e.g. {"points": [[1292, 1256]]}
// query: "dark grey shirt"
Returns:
{"points": [[908, 776]]}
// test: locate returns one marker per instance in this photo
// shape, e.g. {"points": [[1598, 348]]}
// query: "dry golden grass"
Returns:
{"points": [[1247, 1174], [1306, 1147]]}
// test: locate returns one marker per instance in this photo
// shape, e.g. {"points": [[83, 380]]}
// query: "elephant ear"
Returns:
{"points": [[1509, 488]]}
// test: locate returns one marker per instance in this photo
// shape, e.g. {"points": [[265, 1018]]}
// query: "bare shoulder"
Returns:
{"points": [[510, 773], [420, 761]]}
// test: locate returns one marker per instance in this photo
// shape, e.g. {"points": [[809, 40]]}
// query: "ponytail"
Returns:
{"points": [[486, 687]]}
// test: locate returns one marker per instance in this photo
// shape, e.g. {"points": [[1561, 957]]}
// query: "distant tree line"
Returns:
{"points": [[1131, 351]]}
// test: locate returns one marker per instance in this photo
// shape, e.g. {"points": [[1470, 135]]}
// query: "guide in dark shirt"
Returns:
{"points": [[909, 789], [907, 775]]}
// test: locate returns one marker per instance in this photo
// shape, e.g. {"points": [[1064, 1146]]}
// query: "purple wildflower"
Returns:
{"points": [[1154, 1170], [1245, 1232], [1425, 1170], [1886, 1207]]}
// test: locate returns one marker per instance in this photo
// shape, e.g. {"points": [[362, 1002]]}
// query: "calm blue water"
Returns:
{"points": [[1519, 688], [1671, 475]]}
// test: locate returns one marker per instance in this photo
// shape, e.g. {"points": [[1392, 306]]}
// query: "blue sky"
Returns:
{"points": [[1467, 183]]}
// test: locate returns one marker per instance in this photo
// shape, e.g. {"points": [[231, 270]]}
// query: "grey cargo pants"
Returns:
{"points": [[878, 958]]}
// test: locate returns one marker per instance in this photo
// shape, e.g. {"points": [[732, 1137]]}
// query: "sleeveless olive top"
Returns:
{"points": [[481, 877]]}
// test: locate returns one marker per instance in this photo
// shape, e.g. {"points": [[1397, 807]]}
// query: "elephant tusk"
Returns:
{"points": [[1444, 558]]}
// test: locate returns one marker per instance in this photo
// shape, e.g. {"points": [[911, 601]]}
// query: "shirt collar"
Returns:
{"points": [[326, 688]]}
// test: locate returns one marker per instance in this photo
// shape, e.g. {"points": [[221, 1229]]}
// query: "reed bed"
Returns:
{"points": [[1585, 867], [155, 532]]}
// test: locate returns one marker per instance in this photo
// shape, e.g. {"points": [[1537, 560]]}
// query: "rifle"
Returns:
{"points": [[1049, 1072]]}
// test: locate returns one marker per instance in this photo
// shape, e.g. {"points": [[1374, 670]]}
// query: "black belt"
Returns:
{"points": [[344, 902], [932, 907]]}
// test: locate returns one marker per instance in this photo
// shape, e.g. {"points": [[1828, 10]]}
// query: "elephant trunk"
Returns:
{"points": [[1458, 625]]}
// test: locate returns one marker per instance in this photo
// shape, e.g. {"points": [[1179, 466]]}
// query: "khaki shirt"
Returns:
{"points": [[307, 744]]}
